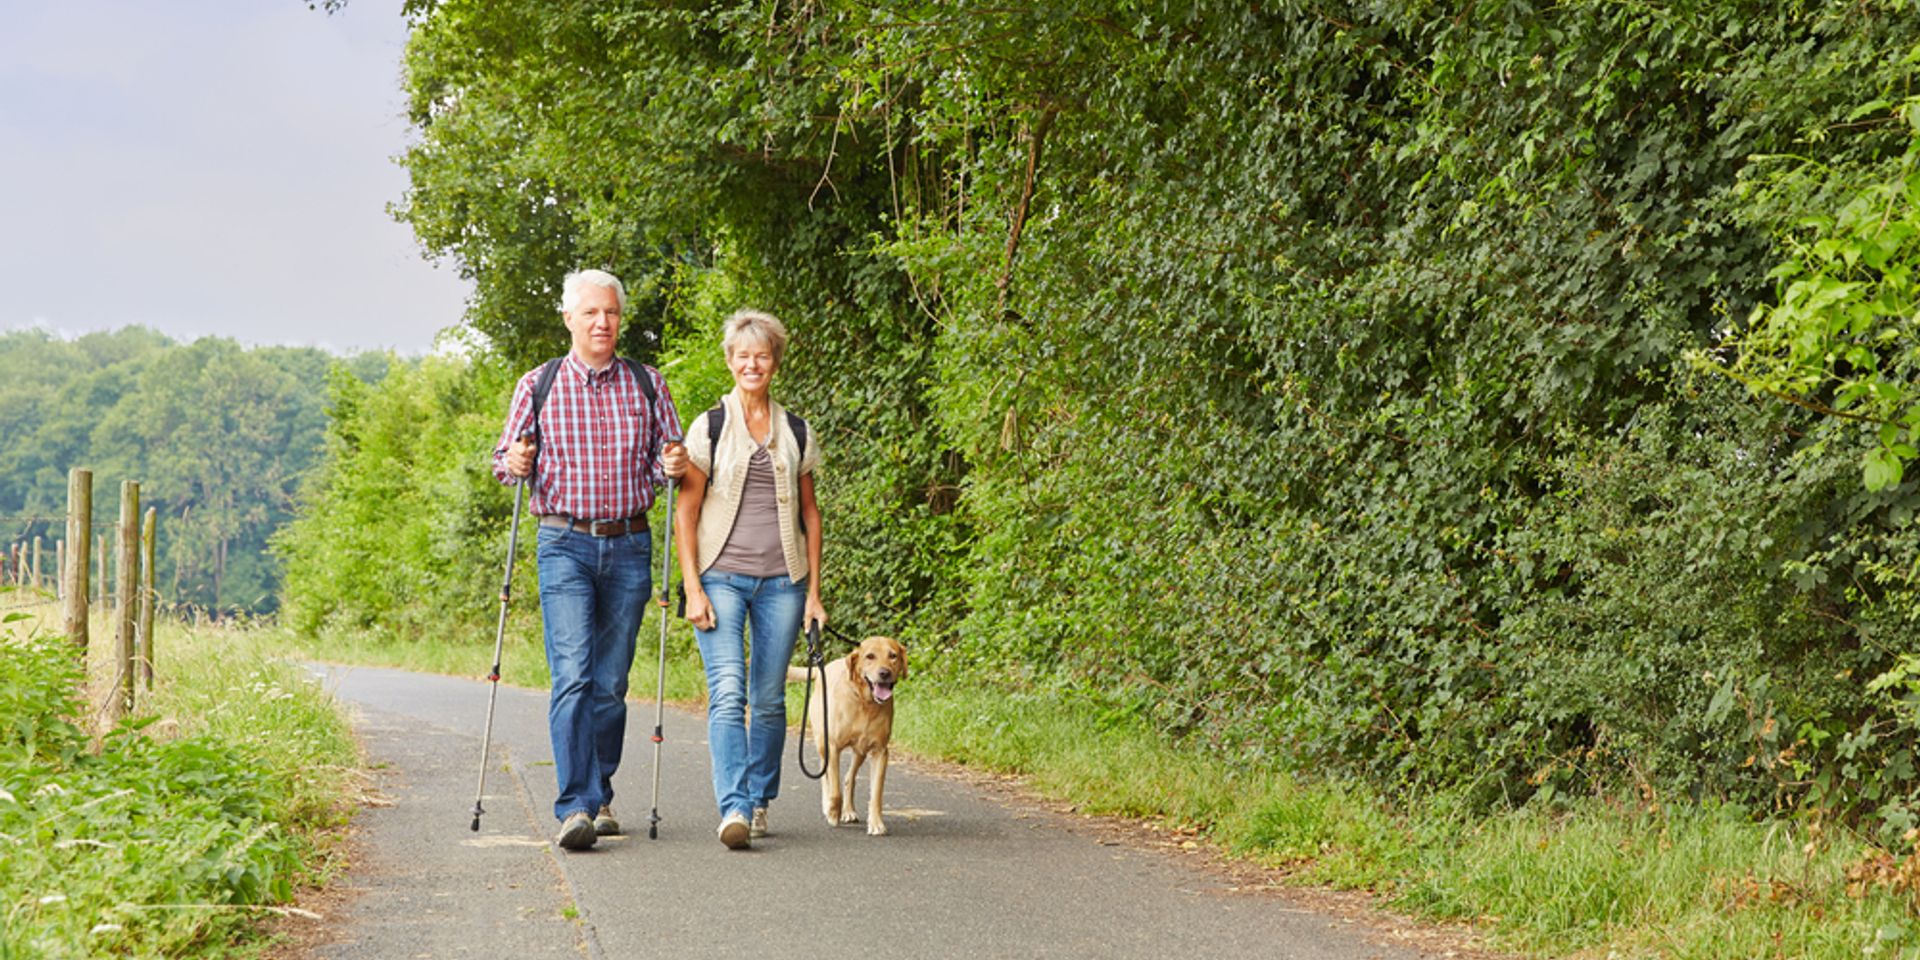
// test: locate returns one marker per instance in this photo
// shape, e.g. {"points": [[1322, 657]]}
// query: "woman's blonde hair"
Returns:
{"points": [[755, 325]]}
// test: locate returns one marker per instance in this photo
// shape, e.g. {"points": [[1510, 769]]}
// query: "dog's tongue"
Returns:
{"points": [[882, 692]]}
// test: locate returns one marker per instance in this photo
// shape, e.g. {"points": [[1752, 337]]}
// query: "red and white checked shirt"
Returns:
{"points": [[598, 441]]}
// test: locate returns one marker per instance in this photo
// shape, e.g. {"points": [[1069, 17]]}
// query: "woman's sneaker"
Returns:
{"points": [[758, 827], [734, 832]]}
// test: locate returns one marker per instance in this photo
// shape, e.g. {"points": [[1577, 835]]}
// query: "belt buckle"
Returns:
{"points": [[602, 528]]}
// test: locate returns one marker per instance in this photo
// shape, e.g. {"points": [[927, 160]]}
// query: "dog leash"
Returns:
{"points": [[816, 660]]}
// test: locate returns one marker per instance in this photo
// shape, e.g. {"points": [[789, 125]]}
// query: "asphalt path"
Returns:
{"points": [[966, 871]]}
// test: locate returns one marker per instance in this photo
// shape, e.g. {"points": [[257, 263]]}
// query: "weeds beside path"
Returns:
{"points": [[177, 832]]}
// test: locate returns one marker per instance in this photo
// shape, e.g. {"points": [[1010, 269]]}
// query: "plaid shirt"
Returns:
{"points": [[595, 443]]}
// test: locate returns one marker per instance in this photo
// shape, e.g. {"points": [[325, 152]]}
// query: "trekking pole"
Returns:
{"points": [[660, 689], [499, 636]]}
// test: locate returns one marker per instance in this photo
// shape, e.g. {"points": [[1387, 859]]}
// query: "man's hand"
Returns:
{"points": [[673, 460], [520, 456]]}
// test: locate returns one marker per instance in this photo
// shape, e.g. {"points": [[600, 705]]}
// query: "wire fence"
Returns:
{"points": [[33, 574], [28, 559], [29, 520], [40, 568]]}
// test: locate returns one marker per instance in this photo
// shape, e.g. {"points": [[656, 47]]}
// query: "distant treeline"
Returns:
{"points": [[1336, 384], [218, 435]]}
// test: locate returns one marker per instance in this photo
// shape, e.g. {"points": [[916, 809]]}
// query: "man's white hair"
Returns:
{"points": [[570, 288]]}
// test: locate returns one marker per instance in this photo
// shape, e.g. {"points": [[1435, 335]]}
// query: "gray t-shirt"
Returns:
{"points": [[753, 546]]}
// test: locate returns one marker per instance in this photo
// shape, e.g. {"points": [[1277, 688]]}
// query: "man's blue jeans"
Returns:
{"points": [[592, 593], [743, 684]]}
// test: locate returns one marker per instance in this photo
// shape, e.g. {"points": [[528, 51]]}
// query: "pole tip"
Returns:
{"points": [[653, 833], [476, 824]]}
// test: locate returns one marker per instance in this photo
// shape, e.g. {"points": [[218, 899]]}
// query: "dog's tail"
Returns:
{"points": [[799, 674]]}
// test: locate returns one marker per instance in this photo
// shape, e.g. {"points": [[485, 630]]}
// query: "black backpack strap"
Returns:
{"points": [[639, 371], [799, 428], [716, 421], [542, 387]]}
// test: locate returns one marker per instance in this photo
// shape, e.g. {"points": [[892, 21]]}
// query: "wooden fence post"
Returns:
{"points": [[147, 599], [100, 587], [60, 570], [124, 589], [36, 561], [79, 531]]}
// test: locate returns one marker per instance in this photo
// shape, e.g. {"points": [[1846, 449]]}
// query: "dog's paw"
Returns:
{"points": [[878, 828], [848, 816]]}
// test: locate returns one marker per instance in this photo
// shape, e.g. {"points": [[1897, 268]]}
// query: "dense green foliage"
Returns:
{"points": [[217, 435], [1311, 379], [1842, 330], [401, 517], [144, 846]]}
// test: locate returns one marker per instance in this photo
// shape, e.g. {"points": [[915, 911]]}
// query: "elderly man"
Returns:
{"points": [[599, 435]]}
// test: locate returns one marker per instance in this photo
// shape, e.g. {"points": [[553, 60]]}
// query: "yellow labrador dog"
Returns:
{"points": [[859, 690]]}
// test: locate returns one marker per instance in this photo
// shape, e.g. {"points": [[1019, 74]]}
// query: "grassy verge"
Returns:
{"points": [[173, 833], [1589, 879]]}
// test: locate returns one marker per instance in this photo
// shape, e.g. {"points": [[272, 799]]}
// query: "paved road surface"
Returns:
{"points": [[963, 874]]}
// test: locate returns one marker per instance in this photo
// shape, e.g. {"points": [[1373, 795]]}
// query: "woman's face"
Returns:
{"points": [[752, 363]]}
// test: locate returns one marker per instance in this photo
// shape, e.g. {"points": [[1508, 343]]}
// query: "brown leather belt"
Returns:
{"points": [[598, 528]]}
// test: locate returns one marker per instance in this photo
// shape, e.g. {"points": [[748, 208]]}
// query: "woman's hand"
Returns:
{"points": [[700, 609], [815, 612]]}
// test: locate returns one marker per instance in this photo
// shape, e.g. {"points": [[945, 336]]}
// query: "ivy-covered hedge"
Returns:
{"points": [[1336, 382]]}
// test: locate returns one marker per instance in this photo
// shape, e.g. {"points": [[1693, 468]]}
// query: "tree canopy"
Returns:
{"points": [[217, 435]]}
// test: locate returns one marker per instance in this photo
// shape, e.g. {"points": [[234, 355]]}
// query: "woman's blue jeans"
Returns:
{"points": [[743, 684], [592, 592]]}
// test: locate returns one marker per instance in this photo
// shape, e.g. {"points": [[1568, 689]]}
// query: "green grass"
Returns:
{"points": [[175, 833], [1592, 878]]}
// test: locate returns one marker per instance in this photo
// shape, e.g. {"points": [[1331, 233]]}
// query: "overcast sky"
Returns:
{"points": [[211, 167]]}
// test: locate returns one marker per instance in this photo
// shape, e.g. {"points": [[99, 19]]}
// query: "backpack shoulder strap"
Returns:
{"points": [[799, 428], [716, 421], [639, 371], [542, 387]]}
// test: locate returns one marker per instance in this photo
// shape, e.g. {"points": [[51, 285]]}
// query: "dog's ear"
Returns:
{"points": [[855, 677], [901, 648]]}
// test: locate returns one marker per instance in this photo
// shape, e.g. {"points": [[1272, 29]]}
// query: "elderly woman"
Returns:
{"points": [[749, 529]]}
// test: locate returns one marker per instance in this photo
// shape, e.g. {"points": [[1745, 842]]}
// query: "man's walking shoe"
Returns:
{"points": [[577, 832], [734, 832], [758, 828], [604, 823]]}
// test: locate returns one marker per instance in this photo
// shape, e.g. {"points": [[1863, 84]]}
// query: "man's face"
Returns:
{"points": [[595, 322]]}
